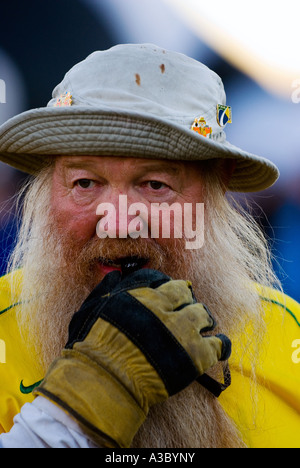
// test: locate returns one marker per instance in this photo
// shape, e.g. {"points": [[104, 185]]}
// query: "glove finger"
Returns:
{"points": [[208, 353], [226, 349], [178, 293], [214, 349], [197, 316]]}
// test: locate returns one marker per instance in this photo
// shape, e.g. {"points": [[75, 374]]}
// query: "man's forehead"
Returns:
{"points": [[98, 162]]}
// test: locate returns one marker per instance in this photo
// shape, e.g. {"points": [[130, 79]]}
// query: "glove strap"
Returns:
{"points": [[212, 385]]}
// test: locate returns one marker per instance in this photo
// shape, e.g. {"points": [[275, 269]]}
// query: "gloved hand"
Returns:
{"points": [[133, 343]]}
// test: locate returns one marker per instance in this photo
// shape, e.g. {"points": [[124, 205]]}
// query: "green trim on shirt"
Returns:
{"points": [[10, 307], [283, 306]]}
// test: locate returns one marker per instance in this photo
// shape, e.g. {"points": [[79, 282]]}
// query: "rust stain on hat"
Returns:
{"points": [[138, 79]]}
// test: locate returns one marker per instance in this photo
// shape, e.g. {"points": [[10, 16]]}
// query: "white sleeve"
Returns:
{"points": [[42, 424]]}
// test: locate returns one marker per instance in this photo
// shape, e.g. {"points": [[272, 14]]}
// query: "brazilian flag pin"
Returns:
{"points": [[224, 115]]}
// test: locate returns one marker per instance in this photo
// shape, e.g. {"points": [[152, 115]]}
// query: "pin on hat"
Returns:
{"points": [[200, 127], [64, 100], [224, 115]]}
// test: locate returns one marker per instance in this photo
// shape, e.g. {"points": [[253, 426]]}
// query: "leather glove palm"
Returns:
{"points": [[133, 343]]}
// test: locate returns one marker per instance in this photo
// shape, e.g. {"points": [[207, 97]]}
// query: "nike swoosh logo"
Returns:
{"points": [[26, 390]]}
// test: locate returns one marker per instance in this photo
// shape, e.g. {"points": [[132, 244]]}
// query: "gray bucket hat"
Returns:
{"points": [[134, 100]]}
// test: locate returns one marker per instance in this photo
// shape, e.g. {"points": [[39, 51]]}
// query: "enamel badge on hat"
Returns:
{"points": [[64, 100], [200, 127], [224, 115]]}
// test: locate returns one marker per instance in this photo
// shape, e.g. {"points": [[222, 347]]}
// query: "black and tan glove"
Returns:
{"points": [[133, 343]]}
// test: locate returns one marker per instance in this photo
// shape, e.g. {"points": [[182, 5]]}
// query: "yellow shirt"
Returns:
{"points": [[267, 413], [17, 369]]}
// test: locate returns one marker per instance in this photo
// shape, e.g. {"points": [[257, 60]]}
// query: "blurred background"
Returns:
{"points": [[254, 46]]}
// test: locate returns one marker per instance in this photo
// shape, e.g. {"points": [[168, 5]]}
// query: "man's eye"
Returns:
{"points": [[84, 183], [156, 185]]}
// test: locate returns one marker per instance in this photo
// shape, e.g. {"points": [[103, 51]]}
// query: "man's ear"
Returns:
{"points": [[227, 168]]}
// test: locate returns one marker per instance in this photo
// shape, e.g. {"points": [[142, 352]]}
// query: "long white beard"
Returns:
{"points": [[58, 276]]}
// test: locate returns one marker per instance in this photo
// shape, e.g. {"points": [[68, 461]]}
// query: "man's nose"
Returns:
{"points": [[121, 217]]}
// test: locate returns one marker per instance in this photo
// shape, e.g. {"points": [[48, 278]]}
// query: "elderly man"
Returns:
{"points": [[135, 272]]}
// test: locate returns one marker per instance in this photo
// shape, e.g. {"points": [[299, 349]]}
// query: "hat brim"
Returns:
{"points": [[26, 139]]}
